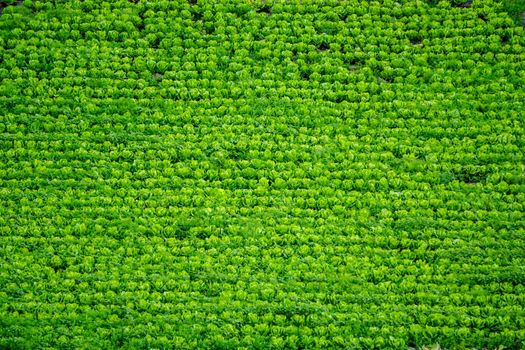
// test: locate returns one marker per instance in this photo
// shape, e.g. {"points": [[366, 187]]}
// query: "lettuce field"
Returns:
{"points": [[219, 174]]}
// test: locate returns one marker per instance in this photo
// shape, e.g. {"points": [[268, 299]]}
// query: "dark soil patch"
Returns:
{"points": [[465, 4], [323, 47], [416, 41], [267, 9], [305, 76], [4, 4], [197, 16]]}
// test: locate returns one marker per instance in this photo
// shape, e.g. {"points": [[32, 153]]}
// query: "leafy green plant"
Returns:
{"points": [[516, 9], [288, 174]]}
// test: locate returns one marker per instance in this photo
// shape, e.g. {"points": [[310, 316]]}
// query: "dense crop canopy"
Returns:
{"points": [[291, 174]]}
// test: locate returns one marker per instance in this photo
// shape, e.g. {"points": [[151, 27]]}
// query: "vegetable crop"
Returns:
{"points": [[254, 174]]}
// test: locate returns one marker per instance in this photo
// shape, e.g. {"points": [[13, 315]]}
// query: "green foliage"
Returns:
{"points": [[516, 9], [288, 174]]}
